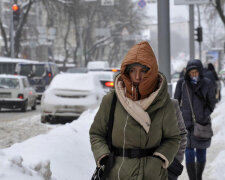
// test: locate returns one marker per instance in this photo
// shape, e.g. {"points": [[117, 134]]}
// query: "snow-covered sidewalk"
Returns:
{"points": [[65, 154]]}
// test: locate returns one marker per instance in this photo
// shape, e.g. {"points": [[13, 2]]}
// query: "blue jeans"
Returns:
{"points": [[200, 154]]}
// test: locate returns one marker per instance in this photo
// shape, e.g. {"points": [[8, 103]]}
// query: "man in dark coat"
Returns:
{"points": [[202, 99]]}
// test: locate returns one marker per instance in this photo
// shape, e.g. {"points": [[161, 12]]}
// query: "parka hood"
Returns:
{"points": [[194, 64], [143, 54]]}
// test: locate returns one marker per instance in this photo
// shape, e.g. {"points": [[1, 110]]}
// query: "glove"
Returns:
{"points": [[104, 160]]}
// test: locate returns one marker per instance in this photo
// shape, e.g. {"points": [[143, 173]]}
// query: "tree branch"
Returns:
{"points": [[6, 52], [220, 10]]}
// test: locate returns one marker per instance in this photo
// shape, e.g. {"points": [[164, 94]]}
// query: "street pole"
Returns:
{"points": [[12, 36], [191, 32], [82, 64], [199, 25], [164, 41]]}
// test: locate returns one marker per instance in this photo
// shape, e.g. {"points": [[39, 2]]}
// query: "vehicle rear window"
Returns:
{"points": [[26, 69], [7, 68], [39, 69], [9, 83]]}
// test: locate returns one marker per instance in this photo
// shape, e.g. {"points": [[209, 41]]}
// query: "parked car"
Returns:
{"points": [[39, 74], [68, 95], [16, 92]]}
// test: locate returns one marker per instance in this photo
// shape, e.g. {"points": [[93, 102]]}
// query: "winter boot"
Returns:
{"points": [[191, 171], [200, 169]]}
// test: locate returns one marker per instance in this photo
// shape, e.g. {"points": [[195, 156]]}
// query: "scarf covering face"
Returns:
{"points": [[141, 53]]}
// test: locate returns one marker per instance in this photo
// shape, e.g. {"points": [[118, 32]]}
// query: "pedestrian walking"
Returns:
{"points": [[145, 134], [196, 96]]}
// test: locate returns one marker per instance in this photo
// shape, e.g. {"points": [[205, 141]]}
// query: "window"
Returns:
{"points": [[25, 83], [9, 83]]}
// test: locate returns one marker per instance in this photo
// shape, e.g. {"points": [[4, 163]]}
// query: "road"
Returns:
{"points": [[16, 126]]}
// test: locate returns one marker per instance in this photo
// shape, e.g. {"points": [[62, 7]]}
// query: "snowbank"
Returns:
{"points": [[62, 154]]}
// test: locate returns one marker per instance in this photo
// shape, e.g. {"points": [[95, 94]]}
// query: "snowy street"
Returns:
{"points": [[16, 127], [64, 152]]}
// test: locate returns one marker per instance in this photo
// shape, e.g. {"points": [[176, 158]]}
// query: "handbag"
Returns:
{"points": [[175, 168], [200, 131], [98, 173], [102, 172]]}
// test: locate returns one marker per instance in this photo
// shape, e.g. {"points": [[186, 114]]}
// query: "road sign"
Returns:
{"points": [[124, 32], [212, 56], [107, 2], [141, 3], [188, 2], [150, 1]]}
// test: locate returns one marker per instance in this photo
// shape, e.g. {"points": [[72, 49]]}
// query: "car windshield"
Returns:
{"points": [[26, 69], [39, 69], [9, 83]]}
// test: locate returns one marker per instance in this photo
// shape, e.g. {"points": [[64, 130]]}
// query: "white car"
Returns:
{"points": [[68, 95], [16, 92]]}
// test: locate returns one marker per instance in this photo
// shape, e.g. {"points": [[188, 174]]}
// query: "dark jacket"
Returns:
{"points": [[183, 132], [176, 166], [202, 96]]}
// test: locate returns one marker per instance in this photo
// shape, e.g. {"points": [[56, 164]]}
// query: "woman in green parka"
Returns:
{"points": [[145, 123]]}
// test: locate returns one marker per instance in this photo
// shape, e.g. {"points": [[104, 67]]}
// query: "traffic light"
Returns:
{"points": [[198, 34], [16, 13]]}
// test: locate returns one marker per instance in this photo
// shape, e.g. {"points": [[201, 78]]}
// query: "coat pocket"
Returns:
{"points": [[154, 169]]}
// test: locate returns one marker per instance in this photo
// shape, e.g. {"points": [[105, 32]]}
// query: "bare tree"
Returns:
{"points": [[25, 8], [18, 29], [219, 5], [88, 18], [6, 50]]}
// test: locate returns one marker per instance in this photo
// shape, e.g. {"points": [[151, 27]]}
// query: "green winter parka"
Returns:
{"points": [[127, 132]]}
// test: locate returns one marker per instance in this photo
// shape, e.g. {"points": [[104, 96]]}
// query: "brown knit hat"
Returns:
{"points": [[143, 54]]}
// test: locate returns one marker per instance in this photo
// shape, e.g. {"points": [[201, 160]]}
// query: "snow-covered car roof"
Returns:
{"points": [[77, 81]]}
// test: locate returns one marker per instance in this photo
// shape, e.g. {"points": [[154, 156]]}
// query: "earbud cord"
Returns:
{"points": [[124, 142]]}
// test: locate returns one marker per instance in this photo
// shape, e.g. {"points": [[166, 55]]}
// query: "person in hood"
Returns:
{"points": [[145, 135], [195, 92]]}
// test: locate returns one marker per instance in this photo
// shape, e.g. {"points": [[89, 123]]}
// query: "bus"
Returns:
{"points": [[39, 74], [8, 65]]}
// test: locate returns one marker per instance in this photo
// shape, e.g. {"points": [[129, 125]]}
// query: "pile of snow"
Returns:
{"points": [[62, 154], [65, 153], [217, 149]]}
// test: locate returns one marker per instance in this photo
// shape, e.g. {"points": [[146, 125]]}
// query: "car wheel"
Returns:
{"points": [[34, 106], [24, 108]]}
